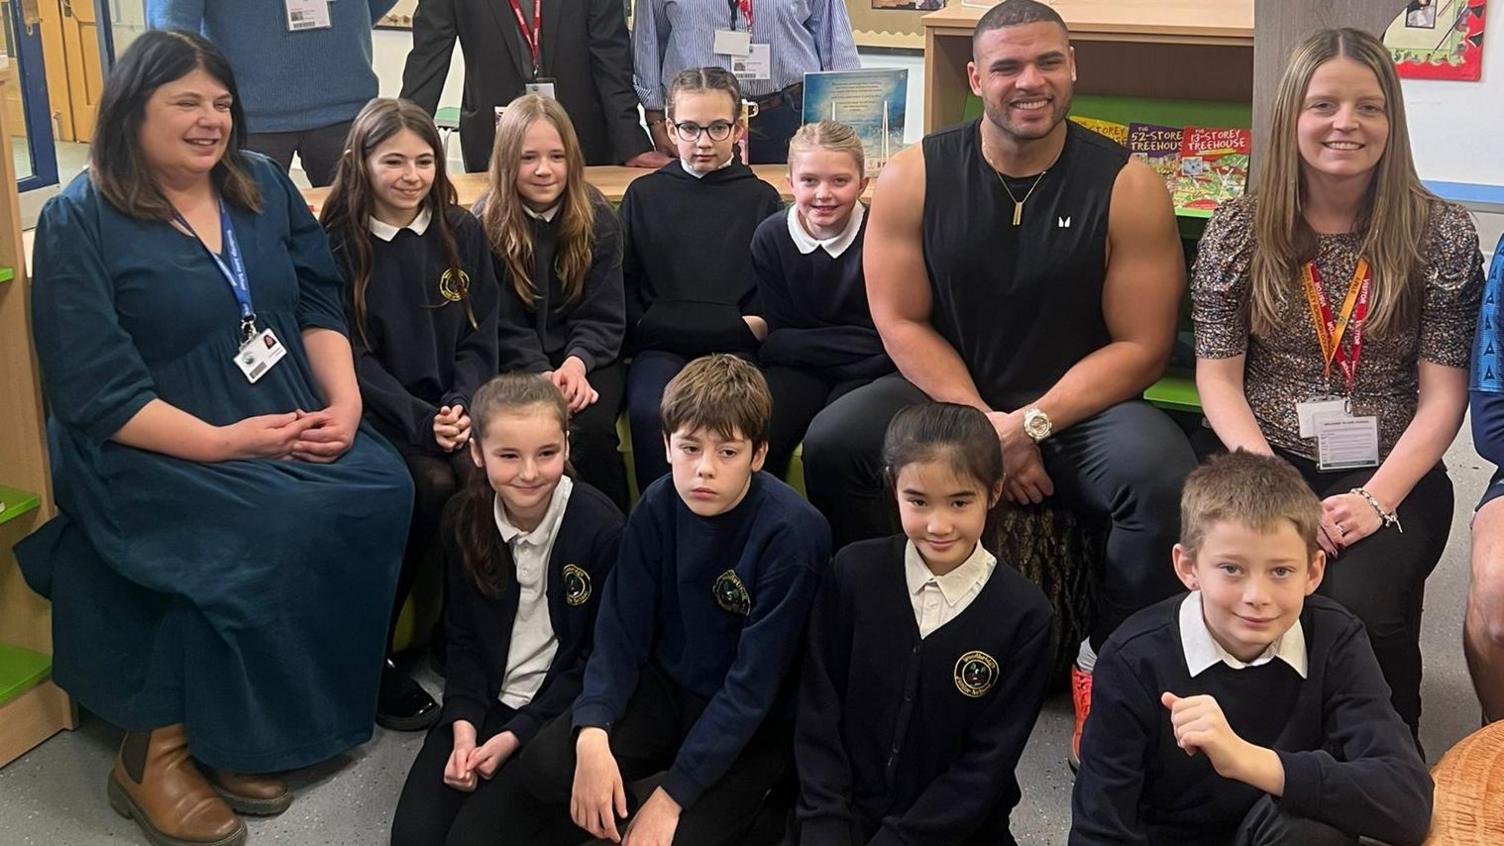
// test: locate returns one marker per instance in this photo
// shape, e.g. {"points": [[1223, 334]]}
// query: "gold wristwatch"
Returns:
{"points": [[1037, 424]]}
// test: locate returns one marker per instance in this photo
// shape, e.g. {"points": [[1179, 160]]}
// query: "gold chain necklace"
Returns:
{"points": [[1018, 205]]}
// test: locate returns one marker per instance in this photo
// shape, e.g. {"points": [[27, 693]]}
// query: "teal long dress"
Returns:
{"points": [[246, 599]]}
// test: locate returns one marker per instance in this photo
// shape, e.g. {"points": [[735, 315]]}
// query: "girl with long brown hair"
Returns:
{"points": [[422, 303], [557, 246], [1334, 312], [527, 552]]}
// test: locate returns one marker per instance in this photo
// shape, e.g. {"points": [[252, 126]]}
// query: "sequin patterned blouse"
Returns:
{"points": [[1284, 367]]}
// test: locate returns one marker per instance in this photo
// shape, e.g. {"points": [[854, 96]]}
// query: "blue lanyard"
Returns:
{"points": [[234, 272]]}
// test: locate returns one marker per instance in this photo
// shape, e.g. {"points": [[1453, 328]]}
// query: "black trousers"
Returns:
{"points": [[319, 149], [1127, 464], [1266, 825], [798, 395], [594, 448], [533, 810], [436, 478], [428, 808], [649, 374], [768, 134], [1382, 578]]}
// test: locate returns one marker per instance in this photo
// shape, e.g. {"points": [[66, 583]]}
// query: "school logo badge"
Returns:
{"points": [[576, 585], [731, 594], [976, 673], [454, 284]]}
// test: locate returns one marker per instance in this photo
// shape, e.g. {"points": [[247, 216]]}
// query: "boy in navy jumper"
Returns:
{"points": [[1248, 711], [700, 625]]}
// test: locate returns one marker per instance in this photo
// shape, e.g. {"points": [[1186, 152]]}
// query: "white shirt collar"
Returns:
{"points": [[547, 215], [546, 526], [698, 175], [386, 232], [834, 245], [953, 585], [1202, 651]]}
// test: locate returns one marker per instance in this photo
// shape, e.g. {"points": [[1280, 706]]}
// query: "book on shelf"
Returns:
{"points": [[1116, 131], [1159, 147], [872, 101], [1213, 167]]}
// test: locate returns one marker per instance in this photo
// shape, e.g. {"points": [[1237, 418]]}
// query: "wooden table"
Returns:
{"points": [[610, 180], [1183, 49]]}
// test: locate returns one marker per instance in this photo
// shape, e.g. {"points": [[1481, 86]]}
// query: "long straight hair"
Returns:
{"points": [[352, 200], [473, 511], [117, 164], [1394, 214], [508, 227]]}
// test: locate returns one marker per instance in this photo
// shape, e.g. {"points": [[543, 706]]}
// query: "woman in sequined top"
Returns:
{"points": [[1339, 224]]}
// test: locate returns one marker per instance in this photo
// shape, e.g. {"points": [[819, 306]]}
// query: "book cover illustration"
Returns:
{"points": [[1116, 131], [1213, 167], [1159, 147], [872, 101]]}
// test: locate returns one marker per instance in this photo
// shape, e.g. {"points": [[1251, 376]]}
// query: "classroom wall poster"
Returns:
{"points": [[1438, 39], [873, 101]]}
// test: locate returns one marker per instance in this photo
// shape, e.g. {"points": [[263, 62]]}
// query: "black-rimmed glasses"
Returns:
{"points": [[690, 131]]}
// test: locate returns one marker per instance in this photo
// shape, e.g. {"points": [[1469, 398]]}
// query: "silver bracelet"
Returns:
{"points": [[1389, 518]]}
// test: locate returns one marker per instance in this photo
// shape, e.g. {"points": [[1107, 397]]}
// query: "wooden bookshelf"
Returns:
{"points": [[1183, 49], [32, 708]]}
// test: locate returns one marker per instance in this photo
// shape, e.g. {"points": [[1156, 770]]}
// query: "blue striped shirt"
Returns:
{"points": [[670, 36]]}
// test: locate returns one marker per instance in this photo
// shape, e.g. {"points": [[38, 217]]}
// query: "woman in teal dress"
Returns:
{"points": [[226, 553]]}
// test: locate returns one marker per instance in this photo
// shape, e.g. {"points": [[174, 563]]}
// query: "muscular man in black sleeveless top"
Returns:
{"points": [[1028, 267]]}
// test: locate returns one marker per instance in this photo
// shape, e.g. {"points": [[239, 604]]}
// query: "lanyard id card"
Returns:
{"points": [[259, 350], [307, 14], [1316, 408], [756, 65], [1345, 443], [543, 86], [259, 355], [730, 42]]}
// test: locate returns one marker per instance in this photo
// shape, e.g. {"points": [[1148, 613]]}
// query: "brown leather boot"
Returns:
{"points": [[155, 782], [254, 795]]}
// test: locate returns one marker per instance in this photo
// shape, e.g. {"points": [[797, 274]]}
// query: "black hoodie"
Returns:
{"points": [[687, 264]]}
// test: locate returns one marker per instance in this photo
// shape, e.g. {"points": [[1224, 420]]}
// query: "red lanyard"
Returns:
{"points": [[746, 8], [1329, 330], [531, 36]]}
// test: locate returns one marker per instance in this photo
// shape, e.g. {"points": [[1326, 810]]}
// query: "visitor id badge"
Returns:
{"points": [[542, 86], [729, 42], [1345, 443], [1312, 409], [307, 14], [259, 355], [757, 65]]}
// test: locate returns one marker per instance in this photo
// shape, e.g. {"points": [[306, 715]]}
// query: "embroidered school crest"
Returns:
{"points": [[976, 673], [454, 284], [576, 585], [731, 594]]}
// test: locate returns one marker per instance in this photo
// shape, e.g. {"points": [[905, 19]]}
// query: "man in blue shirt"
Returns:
{"points": [[302, 77]]}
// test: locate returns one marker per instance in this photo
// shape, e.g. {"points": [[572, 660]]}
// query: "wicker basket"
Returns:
{"points": [[1470, 791]]}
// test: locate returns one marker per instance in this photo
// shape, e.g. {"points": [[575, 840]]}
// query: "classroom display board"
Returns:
{"points": [[1439, 39]]}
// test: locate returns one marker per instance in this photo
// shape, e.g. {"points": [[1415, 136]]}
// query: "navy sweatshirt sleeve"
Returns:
{"points": [[475, 359], [385, 399], [825, 780], [624, 625], [1380, 788], [632, 272], [770, 643], [598, 323], [950, 808], [558, 692], [465, 675], [1105, 807], [771, 203]]}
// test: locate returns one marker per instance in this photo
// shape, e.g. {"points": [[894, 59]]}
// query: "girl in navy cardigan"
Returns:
{"points": [[928, 658], [422, 303], [527, 550], [558, 254], [821, 342]]}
